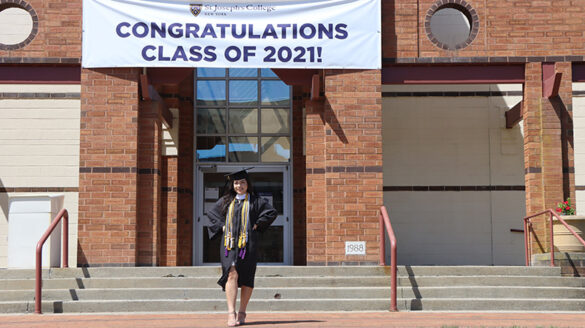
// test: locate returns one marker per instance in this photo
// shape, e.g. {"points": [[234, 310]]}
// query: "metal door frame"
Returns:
{"points": [[285, 219]]}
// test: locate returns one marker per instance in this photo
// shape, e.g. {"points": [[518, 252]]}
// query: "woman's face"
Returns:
{"points": [[241, 186]]}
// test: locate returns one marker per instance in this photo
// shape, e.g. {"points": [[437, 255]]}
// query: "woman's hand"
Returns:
{"points": [[223, 228], [255, 227]]}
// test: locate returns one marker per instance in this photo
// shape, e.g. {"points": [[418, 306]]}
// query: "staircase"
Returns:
{"points": [[279, 288]]}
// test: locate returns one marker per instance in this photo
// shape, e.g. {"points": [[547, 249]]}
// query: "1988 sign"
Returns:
{"points": [[355, 248]]}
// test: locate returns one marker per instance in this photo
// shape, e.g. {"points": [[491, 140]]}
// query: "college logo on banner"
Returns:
{"points": [[196, 9]]}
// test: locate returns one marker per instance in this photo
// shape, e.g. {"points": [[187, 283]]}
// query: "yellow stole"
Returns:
{"points": [[229, 240]]}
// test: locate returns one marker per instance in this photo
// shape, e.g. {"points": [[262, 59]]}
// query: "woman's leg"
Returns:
{"points": [[245, 297], [231, 293]]}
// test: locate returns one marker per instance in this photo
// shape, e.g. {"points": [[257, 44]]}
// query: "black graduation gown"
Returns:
{"points": [[262, 214]]}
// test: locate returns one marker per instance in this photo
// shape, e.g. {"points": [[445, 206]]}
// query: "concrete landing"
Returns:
{"points": [[296, 319]]}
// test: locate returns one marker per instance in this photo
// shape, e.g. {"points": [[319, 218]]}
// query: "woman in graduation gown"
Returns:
{"points": [[240, 215]]}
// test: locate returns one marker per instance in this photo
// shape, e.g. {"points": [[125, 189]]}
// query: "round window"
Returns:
{"points": [[18, 24], [450, 25]]}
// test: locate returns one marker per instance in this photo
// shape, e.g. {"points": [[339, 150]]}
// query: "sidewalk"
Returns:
{"points": [[290, 320]]}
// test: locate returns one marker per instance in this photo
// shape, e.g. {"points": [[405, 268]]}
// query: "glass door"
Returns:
{"points": [[269, 182]]}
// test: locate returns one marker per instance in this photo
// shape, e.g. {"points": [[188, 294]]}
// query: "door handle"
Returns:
{"points": [[198, 219], [287, 219]]}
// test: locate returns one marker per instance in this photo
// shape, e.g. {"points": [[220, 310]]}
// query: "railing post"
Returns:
{"points": [[530, 243], [63, 214], [552, 241], [393, 283], [65, 230], [382, 242], [393, 280], [38, 280], [526, 234]]}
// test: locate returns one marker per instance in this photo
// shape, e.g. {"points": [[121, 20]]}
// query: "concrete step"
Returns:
{"points": [[480, 292], [207, 305], [194, 293], [189, 282], [495, 304], [350, 288], [443, 281], [308, 281], [297, 305], [299, 293], [281, 271]]}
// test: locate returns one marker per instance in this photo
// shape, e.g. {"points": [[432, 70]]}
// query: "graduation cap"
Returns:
{"points": [[238, 175]]}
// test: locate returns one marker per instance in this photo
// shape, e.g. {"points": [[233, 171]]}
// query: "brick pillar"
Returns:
{"points": [[344, 167], [547, 147], [185, 175], [169, 211], [108, 167], [564, 106], [316, 189], [148, 193], [299, 177]]}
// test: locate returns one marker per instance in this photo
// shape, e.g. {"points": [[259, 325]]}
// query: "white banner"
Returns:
{"points": [[179, 33]]}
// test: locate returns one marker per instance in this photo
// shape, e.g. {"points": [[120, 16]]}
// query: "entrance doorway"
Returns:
{"points": [[243, 119], [270, 182]]}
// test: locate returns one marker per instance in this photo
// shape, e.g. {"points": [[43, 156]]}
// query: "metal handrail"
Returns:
{"points": [[39, 260], [385, 222], [528, 243]]}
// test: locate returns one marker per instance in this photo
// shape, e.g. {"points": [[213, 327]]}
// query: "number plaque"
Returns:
{"points": [[355, 248]]}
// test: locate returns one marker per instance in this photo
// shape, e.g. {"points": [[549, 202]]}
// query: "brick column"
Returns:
{"points": [[564, 106], [108, 167], [299, 177], [547, 146], [148, 193], [169, 199], [344, 168], [316, 187], [185, 175]]}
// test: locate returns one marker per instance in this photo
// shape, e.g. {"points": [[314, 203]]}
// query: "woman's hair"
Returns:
{"points": [[229, 195]]}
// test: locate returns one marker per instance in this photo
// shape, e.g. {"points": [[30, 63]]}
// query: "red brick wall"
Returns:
{"points": [[315, 181], [59, 33], [344, 167], [108, 166], [168, 237], [564, 106], [507, 28], [548, 148], [149, 176], [185, 166]]}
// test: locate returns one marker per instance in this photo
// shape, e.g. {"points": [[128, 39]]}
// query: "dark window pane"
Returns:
{"points": [[244, 93], [210, 93], [212, 181], [243, 72], [270, 245], [211, 248], [211, 120], [269, 185], [211, 149], [243, 120], [243, 149], [275, 93], [210, 72], [267, 72]]}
